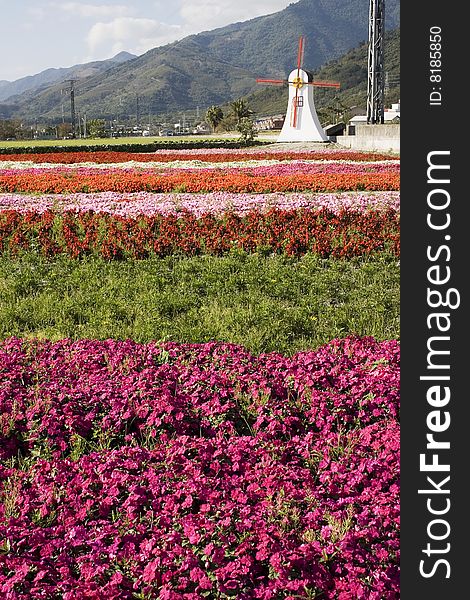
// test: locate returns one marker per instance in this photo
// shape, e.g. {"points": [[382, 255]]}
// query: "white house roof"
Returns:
{"points": [[389, 115]]}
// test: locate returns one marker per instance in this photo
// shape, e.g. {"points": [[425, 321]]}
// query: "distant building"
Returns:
{"points": [[360, 135], [201, 128], [391, 115], [273, 122]]}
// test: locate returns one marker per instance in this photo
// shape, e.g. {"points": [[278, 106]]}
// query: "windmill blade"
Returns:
{"points": [[294, 115], [273, 81], [333, 84], [300, 54]]}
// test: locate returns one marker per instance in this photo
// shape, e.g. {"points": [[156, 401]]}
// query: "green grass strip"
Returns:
{"points": [[265, 303]]}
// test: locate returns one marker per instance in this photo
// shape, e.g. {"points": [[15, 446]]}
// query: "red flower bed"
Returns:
{"points": [[191, 471], [345, 233], [206, 156], [63, 182]]}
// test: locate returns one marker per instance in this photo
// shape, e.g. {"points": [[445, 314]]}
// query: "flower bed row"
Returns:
{"points": [[213, 155], [255, 168], [149, 204], [344, 233], [63, 182], [189, 471]]}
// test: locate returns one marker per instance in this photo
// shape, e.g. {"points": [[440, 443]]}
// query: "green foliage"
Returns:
{"points": [[64, 130], [247, 129], [265, 303], [214, 116], [96, 128], [240, 109], [79, 146], [11, 129], [228, 123]]}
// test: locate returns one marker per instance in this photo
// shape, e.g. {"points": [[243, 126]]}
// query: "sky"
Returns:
{"points": [[39, 34]]}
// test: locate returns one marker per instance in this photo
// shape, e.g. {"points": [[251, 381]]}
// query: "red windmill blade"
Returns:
{"points": [[296, 103], [300, 54], [294, 114], [327, 84], [273, 81], [300, 58]]}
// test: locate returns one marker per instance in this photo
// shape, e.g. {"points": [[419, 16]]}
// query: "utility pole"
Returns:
{"points": [[137, 107], [72, 105], [375, 62], [62, 105]]}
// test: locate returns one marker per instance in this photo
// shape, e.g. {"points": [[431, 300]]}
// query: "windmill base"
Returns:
{"points": [[308, 130], [291, 137]]}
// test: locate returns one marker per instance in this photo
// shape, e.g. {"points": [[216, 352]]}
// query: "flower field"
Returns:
{"points": [[152, 204], [216, 155], [284, 173], [117, 180], [61, 204], [191, 468], [346, 233], [172, 470]]}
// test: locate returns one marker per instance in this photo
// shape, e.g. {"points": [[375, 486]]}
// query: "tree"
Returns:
{"points": [[64, 130], [338, 110], [96, 128], [240, 109], [214, 116], [8, 129], [247, 129], [228, 123]]}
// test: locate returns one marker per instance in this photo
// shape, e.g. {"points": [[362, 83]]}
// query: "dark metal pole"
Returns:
{"points": [[137, 108], [375, 63], [72, 106]]}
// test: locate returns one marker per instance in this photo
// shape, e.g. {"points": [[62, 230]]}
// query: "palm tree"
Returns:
{"points": [[240, 109], [214, 116]]}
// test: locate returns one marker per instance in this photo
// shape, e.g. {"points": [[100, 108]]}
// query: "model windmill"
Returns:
{"points": [[301, 123]]}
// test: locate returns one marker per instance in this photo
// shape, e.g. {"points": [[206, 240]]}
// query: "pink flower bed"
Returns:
{"points": [[217, 203], [190, 471], [221, 155], [292, 168]]}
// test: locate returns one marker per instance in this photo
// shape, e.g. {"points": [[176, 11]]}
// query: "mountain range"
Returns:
{"points": [[48, 77], [212, 67]]}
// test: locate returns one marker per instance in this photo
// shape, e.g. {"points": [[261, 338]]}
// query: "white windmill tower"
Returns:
{"points": [[301, 123]]}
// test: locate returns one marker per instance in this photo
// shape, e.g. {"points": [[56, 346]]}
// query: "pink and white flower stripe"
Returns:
{"points": [[276, 169], [149, 204], [184, 164]]}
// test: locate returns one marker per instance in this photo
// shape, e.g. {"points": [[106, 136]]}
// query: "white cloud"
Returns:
{"points": [[96, 11], [204, 15], [137, 34], [129, 33]]}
